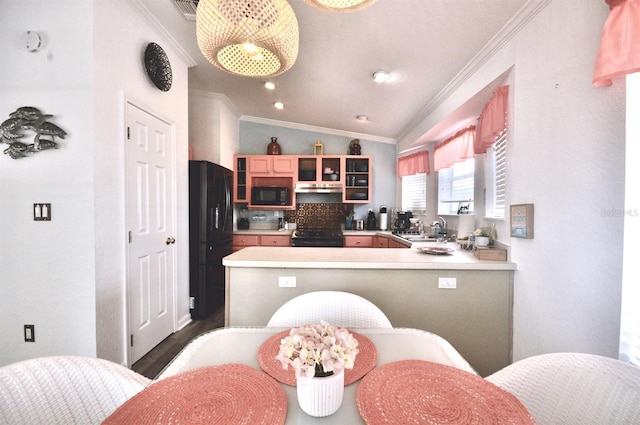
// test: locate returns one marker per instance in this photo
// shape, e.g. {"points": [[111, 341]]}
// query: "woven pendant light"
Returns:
{"points": [[254, 38], [340, 5]]}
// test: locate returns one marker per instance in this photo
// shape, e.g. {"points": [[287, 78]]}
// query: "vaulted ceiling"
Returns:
{"points": [[423, 43]]}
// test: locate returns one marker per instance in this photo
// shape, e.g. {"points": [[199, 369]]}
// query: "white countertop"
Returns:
{"points": [[361, 258], [288, 232], [263, 232]]}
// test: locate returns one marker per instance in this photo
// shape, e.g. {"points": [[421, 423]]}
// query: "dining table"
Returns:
{"points": [[384, 354]]}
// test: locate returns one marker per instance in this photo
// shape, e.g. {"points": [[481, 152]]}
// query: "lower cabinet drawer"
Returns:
{"points": [[245, 240], [380, 242], [275, 240], [358, 241]]}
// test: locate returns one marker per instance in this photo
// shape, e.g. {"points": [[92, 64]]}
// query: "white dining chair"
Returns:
{"points": [[338, 308], [574, 388], [65, 390]]}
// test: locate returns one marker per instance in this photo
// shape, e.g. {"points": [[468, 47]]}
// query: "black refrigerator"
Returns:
{"points": [[210, 235]]}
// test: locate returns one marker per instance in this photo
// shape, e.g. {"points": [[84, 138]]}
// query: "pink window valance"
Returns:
{"points": [[619, 52], [456, 148], [492, 120], [413, 164]]}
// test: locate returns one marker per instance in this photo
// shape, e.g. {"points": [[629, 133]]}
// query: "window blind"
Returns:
{"points": [[455, 186], [500, 179], [496, 177], [414, 192]]}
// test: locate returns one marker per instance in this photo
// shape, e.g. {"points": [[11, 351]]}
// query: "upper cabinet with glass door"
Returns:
{"points": [[357, 178], [241, 188], [319, 169]]}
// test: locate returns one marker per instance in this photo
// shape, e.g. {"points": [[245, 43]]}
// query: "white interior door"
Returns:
{"points": [[150, 223]]}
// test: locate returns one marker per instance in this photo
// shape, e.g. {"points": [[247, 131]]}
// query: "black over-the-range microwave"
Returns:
{"points": [[270, 195]]}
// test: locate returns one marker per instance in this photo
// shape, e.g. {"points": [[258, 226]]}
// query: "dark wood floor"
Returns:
{"points": [[155, 360]]}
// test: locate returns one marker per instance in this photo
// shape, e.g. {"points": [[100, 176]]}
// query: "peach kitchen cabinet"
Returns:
{"points": [[264, 170], [358, 241], [243, 241], [357, 179], [325, 169], [272, 165]]}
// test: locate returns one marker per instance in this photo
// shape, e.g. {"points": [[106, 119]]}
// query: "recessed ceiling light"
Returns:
{"points": [[362, 118], [270, 85], [381, 76], [278, 105]]}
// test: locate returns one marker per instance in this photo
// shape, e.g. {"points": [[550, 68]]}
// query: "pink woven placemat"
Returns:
{"points": [[226, 394], [421, 392], [366, 359]]}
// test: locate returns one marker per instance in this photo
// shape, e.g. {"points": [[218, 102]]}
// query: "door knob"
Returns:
{"points": [[170, 240]]}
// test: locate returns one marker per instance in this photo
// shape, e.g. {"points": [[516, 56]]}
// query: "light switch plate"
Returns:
{"points": [[29, 333], [41, 212]]}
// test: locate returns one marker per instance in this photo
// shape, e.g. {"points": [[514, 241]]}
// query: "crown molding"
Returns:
{"points": [[520, 20], [216, 97], [175, 46]]}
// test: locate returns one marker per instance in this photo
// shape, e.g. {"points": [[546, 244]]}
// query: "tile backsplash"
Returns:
{"points": [[318, 215]]}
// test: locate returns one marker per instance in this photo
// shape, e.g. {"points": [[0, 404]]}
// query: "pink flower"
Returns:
{"points": [[314, 347]]}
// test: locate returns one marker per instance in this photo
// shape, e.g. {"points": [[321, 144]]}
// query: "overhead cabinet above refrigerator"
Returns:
{"points": [[210, 234]]}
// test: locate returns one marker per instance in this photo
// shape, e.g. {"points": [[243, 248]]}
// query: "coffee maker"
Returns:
{"points": [[402, 221], [243, 221]]}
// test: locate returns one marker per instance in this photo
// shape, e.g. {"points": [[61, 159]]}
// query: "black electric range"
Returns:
{"points": [[317, 238]]}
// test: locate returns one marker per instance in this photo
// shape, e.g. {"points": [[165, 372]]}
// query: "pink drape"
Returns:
{"points": [[619, 52], [492, 120], [413, 164], [456, 148]]}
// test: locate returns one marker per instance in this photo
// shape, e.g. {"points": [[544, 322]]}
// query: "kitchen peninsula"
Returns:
{"points": [[472, 308]]}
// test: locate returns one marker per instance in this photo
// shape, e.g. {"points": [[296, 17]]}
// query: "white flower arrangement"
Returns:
{"points": [[318, 350]]}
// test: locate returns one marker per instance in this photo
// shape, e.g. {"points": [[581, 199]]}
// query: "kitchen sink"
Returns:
{"points": [[418, 238]]}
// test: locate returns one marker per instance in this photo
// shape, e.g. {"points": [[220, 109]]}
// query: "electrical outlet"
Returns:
{"points": [[287, 281], [447, 283], [29, 333], [192, 303]]}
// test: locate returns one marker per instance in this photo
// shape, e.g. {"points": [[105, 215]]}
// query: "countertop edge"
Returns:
{"points": [[358, 258]]}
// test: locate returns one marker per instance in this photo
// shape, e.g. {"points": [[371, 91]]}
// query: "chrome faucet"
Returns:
{"points": [[443, 223], [442, 238]]}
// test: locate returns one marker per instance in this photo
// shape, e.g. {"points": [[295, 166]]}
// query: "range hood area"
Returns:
{"points": [[318, 188]]}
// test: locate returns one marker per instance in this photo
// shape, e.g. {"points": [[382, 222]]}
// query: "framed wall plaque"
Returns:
{"points": [[522, 221]]}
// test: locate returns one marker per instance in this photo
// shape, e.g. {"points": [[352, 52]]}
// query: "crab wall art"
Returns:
{"points": [[30, 119]]}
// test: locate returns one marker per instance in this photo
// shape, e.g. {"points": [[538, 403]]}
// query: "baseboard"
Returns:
{"points": [[183, 321]]}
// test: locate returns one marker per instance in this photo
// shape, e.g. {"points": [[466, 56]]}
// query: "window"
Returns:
{"points": [[496, 176], [414, 192], [630, 315], [455, 187]]}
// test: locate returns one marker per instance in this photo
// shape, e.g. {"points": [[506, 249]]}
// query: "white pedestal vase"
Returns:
{"points": [[320, 396]]}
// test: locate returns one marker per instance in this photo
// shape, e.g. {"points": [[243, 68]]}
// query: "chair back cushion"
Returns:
{"points": [[64, 390], [574, 388], [338, 308]]}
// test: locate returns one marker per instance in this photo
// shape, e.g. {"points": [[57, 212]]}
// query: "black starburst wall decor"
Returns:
{"points": [[28, 118], [158, 66]]}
